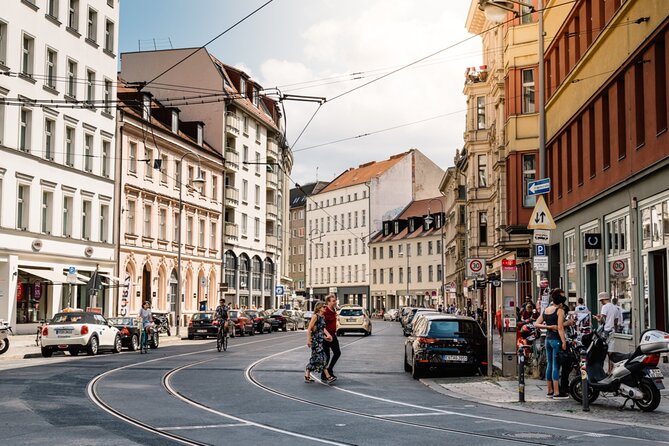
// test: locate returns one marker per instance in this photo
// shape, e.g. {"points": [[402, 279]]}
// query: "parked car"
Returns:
{"points": [[390, 315], [77, 331], [283, 320], [406, 311], [446, 342], [298, 316], [202, 324], [128, 328], [243, 323], [307, 318], [261, 322], [353, 319], [408, 325]]}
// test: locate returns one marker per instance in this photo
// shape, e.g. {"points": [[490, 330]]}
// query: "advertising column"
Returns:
{"points": [[509, 300]]}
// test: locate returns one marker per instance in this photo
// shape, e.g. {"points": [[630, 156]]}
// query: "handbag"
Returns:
{"points": [[564, 357]]}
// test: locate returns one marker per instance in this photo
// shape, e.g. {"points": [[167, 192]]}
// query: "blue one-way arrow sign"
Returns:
{"points": [[539, 187]]}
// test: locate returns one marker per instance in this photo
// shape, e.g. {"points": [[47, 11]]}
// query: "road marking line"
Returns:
{"points": [[208, 426], [402, 415]]}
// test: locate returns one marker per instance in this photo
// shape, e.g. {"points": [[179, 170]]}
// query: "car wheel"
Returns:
{"points": [[4, 345], [73, 351], [284, 328], [118, 345], [47, 352], [252, 332], [134, 343], [154, 340], [407, 367], [416, 371], [190, 336], [93, 346]]}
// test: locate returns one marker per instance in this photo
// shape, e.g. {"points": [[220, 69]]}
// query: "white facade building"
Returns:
{"points": [[57, 152], [243, 126], [341, 218]]}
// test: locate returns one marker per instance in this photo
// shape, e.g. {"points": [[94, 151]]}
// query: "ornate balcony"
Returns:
{"points": [[271, 244], [231, 232], [231, 195], [272, 211], [232, 124], [272, 180], [231, 159], [272, 149]]}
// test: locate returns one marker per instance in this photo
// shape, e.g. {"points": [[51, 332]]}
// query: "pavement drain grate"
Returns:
{"points": [[530, 435]]}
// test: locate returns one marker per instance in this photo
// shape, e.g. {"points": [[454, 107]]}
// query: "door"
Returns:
{"points": [[591, 287], [658, 289]]}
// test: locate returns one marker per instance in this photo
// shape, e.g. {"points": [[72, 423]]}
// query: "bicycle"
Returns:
{"points": [[144, 338], [40, 327], [222, 337]]}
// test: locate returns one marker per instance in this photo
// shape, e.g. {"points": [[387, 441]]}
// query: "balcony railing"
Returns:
{"points": [[272, 149], [231, 232], [272, 211], [231, 195], [231, 158], [272, 180], [232, 124], [271, 243]]}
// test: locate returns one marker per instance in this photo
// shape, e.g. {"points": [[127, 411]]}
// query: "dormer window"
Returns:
{"points": [[412, 226], [200, 134], [242, 86], [146, 107], [386, 228], [175, 121], [256, 95], [397, 227]]}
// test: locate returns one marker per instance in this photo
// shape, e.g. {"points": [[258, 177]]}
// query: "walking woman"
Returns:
{"points": [[316, 334], [552, 319]]}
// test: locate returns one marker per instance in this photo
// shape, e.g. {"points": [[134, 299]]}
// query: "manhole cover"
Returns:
{"points": [[530, 435]]}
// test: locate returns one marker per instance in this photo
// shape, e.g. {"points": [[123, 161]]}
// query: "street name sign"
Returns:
{"points": [[539, 187], [541, 217]]}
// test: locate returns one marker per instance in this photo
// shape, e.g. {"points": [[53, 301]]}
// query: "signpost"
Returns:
{"points": [[475, 267], [539, 187], [540, 250], [541, 217]]}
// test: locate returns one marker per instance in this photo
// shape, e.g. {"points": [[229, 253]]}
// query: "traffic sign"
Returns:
{"points": [[279, 290], [540, 250], [475, 267], [619, 268], [72, 274], [541, 237], [541, 217], [539, 187], [540, 263]]}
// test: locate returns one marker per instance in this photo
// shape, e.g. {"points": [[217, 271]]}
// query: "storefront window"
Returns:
{"points": [[621, 288], [31, 299], [570, 264]]}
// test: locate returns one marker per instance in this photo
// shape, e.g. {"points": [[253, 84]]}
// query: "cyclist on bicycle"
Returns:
{"points": [[147, 317], [221, 315]]}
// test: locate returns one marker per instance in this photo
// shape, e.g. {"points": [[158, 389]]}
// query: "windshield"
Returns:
{"points": [[202, 316], [121, 320], [252, 313], [351, 312], [278, 313], [454, 329]]}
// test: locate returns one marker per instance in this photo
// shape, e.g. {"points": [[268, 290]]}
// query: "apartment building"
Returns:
{"points": [[159, 157], [299, 239], [455, 235], [57, 147], [407, 263], [245, 127], [350, 209]]}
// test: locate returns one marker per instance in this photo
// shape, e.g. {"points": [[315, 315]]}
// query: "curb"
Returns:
{"points": [[433, 385]]}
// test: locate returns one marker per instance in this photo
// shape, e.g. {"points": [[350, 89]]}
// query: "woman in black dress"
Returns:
{"points": [[316, 334]]}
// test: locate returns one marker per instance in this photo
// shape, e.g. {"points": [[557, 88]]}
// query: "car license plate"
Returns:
{"points": [[655, 373], [201, 331], [350, 319], [455, 358], [64, 331]]}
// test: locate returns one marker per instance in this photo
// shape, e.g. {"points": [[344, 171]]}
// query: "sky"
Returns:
{"points": [[325, 48]]}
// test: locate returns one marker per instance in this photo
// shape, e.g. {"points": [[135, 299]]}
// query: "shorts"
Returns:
{"points": [[611, 343]]}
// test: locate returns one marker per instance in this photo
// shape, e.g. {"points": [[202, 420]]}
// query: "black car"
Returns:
{"points": [[129, 331], [202, 324], [447, 343], [283, 320], [261, 321]]}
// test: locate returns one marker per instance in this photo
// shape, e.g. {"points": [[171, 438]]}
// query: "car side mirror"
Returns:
{"points": [[110, 324]]}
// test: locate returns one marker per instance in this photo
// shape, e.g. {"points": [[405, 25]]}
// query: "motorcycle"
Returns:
{"points": [[162, 324], [635, 375], [4, 339]]}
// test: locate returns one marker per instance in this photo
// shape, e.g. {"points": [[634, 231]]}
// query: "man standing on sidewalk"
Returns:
{"points": [[331, 348]]}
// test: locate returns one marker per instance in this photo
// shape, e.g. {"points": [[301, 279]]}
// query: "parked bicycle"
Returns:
{"points": [[38, 336]]}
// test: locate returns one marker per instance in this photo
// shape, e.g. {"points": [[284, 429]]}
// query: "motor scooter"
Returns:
{"points": [[635, 375], [4, 339]]}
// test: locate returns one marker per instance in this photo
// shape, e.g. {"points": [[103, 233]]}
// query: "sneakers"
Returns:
{"points": [[549, 395], [561, 396]]}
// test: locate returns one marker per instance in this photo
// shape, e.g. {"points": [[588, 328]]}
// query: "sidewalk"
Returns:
{"points": [[503, 392], [23, 346]]}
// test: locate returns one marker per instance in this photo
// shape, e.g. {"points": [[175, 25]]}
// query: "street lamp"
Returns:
{"points": [[429, 219], [197, 180], [311, 286]]}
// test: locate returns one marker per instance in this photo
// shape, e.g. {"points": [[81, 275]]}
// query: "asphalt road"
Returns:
{"points": [[254, 393]]}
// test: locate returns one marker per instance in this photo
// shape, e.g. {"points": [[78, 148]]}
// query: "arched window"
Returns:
{"points": [[268, 275], [244, 269], [256, 273], [230, 269]]}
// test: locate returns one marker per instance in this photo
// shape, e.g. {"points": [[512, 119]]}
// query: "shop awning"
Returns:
{"points": [[50, 275]]}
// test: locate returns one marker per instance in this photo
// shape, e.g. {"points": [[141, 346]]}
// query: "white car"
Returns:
{"points": [[353, 319], [77, 331], [390, 315]]}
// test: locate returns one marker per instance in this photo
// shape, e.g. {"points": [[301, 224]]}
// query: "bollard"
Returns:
{"points": [[584, 381], [521, 374]]}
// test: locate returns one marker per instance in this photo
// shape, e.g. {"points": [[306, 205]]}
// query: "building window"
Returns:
{"points": [[130, 218], [430, 248], [106, 148], [52, 8], [364, 218], [47, 211], [526, 14], [480, 113], [189, 230], [214, 187], [25, 130], [430, 273], [245, 191], [163, 169], [419, 249], [483, 171], [419, 274], [256, 229], [639, 103], [439, 273], [107, 96], [245, 154], [212, 236], [258, 163], [67, 216], [2, 121], [86, 219], [528, 91], [51, 68], [27, 54], [92, 25], [200, 242], [529, 175], [245, 224], [73, 15], [104, 223], [132, 157], [617, 231], [175, 226], [90, 86], [148, 159], [71, 78], [88, 153], [483, 228], [109, 36], [3, 43], [49, 128], [162, 230]]}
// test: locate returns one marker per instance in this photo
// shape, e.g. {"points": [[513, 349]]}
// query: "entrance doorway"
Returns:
{"points": [[146, 284], [591, 287], [658, 289]]}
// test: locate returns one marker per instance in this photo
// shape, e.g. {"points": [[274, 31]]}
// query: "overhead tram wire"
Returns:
{"points": [[209, 42]]}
